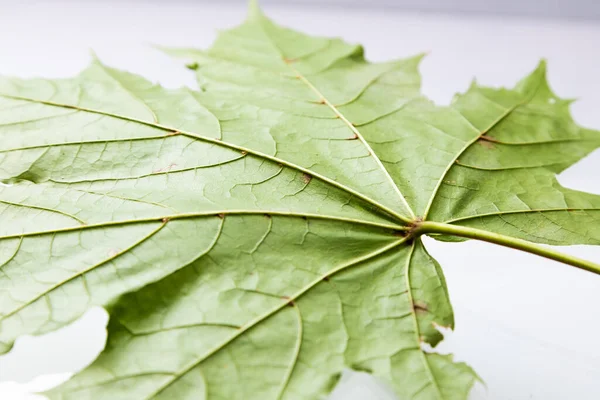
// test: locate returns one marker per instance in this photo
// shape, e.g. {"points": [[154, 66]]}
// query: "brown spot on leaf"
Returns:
{"points": [[244, 152], [221, 215], [326, 278], [306, 178], [420, 307], [322, 101], [165, 220], [353, 137], [487, 142], [488, 139], [290, 301], [268, 216], [173, 133]]}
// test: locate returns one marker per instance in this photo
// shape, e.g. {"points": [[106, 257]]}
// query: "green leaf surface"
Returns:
{"points": [[254, 238]]}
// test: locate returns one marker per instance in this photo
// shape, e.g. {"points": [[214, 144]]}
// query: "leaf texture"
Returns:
{"points": [[251, 240], [505, 179]]}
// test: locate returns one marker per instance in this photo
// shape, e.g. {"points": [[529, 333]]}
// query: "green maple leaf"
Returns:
{"points": [[253, 239]]}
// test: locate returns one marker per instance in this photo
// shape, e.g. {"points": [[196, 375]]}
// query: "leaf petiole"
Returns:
{"points": [[426, 227]]}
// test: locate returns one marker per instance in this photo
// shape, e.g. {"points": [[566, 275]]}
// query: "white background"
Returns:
{"points": [[588, 9], [528, 326]]}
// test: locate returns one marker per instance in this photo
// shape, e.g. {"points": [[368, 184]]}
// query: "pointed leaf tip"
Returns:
{"points": [[539, 73], [254, 10], [541, 65], [536, 81], [473, 85], [93, 56], [419, 57]]}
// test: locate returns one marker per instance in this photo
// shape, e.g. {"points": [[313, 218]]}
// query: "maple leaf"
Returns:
{"points": [[255, 238]]}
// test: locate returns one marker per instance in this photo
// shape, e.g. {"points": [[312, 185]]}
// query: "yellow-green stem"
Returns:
{"points": [[519, 244]]}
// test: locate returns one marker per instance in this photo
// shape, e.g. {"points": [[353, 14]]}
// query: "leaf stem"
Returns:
{"points": [[515, 243]]}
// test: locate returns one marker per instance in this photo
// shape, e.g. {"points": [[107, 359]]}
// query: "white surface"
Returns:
{"points": [[587, 9], [527, 325]]}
